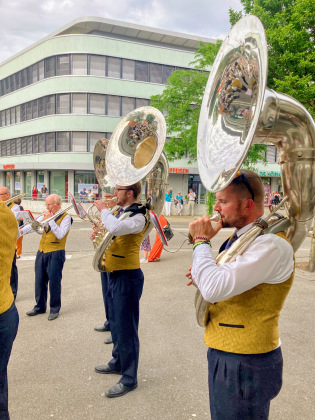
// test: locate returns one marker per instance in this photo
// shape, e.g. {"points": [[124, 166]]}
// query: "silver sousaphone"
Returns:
{"points": [[238, 110], [134, 153]]}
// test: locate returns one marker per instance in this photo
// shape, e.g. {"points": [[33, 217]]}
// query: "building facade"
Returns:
{"points": [[63, 93]]}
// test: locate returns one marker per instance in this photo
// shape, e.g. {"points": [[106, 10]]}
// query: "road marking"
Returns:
{"points": [[33, 257]]}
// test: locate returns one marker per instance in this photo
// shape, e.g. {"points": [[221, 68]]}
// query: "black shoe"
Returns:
{"points": [[33, 313], [101, 329], [105, 369], [119, 390], [51, 317], [108, 340]]}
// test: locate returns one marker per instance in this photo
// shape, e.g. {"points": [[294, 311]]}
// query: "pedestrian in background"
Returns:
{"points": [[191, 202], [180, 203], [168, 202]]}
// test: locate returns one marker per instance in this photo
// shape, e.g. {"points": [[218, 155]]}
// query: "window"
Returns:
{"points": [[63, 65], [113, 106], [28, 110], [41, 143], [97, 104], [12, 83], [29, 76], [63, 103], [35, 72], [12, 147], [35, 108], [94, 137], [167, 71], [156, 73], [17, 77], [41, 107], [12, 115], [18, 146], [142, 73], [142, 102], [23, 112], [63, 141], [113, 67], [50, 105], [128, 105], [2, 118], [50, 67], [35, 144], [128, 69], [7, 116], [41, 73], [79, 141], [79, 103], [50, 142], [29, 145], [23, 78], [97, 65], [79, 64], [17, 114], [23, 145]]}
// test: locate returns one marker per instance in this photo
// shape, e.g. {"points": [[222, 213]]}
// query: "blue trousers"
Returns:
{"points": [[48, 268], [104, 281], [124, 293], [14, 277], [9, 322], [241, 386]]}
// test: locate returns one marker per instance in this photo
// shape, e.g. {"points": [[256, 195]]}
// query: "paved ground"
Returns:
{"points": [[51, 371]]}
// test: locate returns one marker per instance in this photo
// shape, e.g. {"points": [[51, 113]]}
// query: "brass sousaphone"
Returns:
{"points": [[238, 110], [133, 153]]}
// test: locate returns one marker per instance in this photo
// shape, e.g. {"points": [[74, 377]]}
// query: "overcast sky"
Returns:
{"points": [[23, 22]]}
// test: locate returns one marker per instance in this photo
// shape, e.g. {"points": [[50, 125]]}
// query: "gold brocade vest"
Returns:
{"points": [[123, 254], [248, 323], [49, 242]]}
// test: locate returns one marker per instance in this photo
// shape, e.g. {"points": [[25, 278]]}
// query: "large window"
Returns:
{"points": [[142, 71], [83, 177], [50, 142], [79, 141], [41, 143], [156, 73], [50, 105], [63, 141], [79, 103], [79, 64], [128, 105], [97, 104], [50, 67], [94, 137], [113, 67], [57, 182], [97, 65], [63, 103], [113, 106], [63, 65], [128, 69]]}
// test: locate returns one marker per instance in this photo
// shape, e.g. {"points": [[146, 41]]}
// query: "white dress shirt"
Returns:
{"points": [[134, 224], [16, 211], [59, 231], [269, 259]]}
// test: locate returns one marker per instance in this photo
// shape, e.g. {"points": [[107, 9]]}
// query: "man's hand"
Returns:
{"points": [[101, 204], [48, 214], [202, 227]]}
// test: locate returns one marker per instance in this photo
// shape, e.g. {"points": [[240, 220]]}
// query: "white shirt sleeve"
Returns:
{"points": [[127, 226], [61, 230], [16, 211], [269, 259]]}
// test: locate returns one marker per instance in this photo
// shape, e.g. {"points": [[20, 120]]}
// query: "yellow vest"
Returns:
{"points": [[49, 242], [123, 254], [248, 323], [8, 232], [10, 205]]}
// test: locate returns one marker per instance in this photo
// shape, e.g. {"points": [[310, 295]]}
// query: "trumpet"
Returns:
{"points": [[14, 198], [39, 227]]}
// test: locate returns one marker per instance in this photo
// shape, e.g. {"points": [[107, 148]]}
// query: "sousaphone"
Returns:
{"points": [[238, 110]]}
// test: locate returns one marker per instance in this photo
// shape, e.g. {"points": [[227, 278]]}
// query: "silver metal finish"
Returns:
{"points": [[39, 227]]}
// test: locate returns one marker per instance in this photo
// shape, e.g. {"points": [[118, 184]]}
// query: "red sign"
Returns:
{"points": [[179, 171], [9, 166]]}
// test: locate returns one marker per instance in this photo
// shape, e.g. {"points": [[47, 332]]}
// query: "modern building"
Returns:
{"points": [[63, 93]]}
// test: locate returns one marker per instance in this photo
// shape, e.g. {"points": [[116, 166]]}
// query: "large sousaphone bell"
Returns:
{"points": [[134, 153], [238, 110]]}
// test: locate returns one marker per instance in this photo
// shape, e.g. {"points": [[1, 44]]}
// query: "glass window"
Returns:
{"points": [[28, 185], [35, 144], [35, 72], [12, 115], [23, 78], [142, 73], [94, 136], [63, 103], [63, 141], [113, 67], [18, 146], [23, 112], [63, 65], [1, 112], [3, 119], [29, 145], [57, 182], [167, 71], [97, 104], [7, 147], [50, 67], [83, 177], [7, 116], [17, 77], [12, 83], [79, 141], [35, 108], [41, 143], [41, 106], [128, 105], [97, 65], [50, 142], [40, 177], [271, 154], [142, 102], [29, 76], [41, 72], [17, 114], [155, 73], [79, 103], [50, 105], [3, 149], [17, 182], [79, 64], [128, 69], [113, 105], [23, 150], [29, 110], [12, 147]]}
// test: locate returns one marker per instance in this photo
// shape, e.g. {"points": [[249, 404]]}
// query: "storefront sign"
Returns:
{"points": [[269, 173], [12, 166], [179, 171]]}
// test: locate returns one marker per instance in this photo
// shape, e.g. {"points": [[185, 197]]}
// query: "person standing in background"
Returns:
{"points": [[180, 203], [168, 202], [34, 193], [44, 191], [191, 202]]}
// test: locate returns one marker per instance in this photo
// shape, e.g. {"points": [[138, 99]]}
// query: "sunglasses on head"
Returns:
{"points": [[242, 178]]}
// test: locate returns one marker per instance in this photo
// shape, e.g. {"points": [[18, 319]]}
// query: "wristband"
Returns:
{"points": [[200, 238], [201, 243]]}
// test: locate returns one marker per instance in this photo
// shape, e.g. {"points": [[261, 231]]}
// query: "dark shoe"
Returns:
{"points": [[109, 340], [51, 317], [105, 369], [119, 390], [101, 329], [33, 313]]}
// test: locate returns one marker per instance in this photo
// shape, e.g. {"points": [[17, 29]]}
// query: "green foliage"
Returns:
{"points": [[210, 200]]}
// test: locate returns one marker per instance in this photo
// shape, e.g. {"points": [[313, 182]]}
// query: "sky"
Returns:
{"points": [[23, 22]]}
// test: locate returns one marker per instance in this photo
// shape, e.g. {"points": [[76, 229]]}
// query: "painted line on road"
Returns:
{"points": [[33, 257]]}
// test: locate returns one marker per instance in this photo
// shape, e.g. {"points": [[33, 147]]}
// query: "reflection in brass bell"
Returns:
{"points": [[144, 152]]}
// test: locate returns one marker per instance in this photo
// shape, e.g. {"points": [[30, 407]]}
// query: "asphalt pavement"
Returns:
{"points": [[51, 370]]}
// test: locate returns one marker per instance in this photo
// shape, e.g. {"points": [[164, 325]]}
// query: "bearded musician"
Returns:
{"points": [[125, 284], [247, 295]]}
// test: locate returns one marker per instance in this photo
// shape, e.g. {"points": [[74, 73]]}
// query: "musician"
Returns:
{"points": [[4, 196], [9, 318], [50, 258], [247, 295], [125, 284]]}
